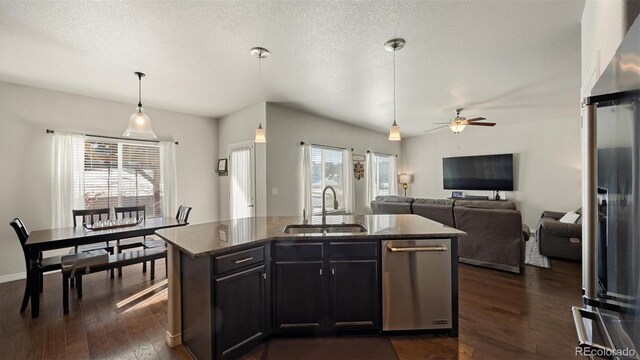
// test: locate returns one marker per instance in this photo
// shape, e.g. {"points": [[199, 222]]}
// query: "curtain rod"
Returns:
{"points": [[381, 153], [327, 146], [49, 131]]}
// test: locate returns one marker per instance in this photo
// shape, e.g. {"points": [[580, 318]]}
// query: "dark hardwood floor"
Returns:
{"points": [[502, 316]]}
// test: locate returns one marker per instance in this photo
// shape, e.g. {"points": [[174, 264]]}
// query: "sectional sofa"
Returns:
{"points": [[496, 236]]}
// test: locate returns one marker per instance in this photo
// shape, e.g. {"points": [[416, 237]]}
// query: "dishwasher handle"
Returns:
{"points": [[392, 249]]}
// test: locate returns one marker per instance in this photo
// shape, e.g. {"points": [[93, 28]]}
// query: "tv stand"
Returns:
{"points": [[476, 197]]}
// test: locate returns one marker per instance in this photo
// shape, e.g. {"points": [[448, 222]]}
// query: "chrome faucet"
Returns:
{"points": [[335, 203]]}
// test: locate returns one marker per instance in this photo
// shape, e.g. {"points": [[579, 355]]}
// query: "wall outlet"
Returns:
{"points": [[274, 191]]}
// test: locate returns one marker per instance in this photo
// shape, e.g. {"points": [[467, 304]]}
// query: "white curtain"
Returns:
{"points": [[240, 183], [349, 200], [305, 182], [393, 177], [67, 169], [168, 178], [370, 179]]}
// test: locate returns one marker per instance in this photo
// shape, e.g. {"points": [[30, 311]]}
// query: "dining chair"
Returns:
{"points": [[181, 215], [43, 265], [90, 217], [154, 242], [137, 212]]}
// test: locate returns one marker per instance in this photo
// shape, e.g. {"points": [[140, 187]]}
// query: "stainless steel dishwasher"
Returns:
{"points": [[416, 284]]}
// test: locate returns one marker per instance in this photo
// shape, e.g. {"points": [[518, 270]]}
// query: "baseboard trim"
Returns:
{"points": [[20, 276], [13, 277], [174, 340]]}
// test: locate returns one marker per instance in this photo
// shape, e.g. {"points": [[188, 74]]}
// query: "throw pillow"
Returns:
{"points": [[570, 218]]}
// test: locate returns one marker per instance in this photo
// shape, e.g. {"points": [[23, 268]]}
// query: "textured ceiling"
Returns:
{"points": [[509, 61]]}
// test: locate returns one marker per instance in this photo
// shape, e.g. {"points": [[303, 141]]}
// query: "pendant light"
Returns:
{"points": [[139, 122], [260, 53], [260, 135], [394, 45]]}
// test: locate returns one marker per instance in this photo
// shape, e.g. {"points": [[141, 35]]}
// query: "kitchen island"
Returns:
{"points": [[234, 283]]}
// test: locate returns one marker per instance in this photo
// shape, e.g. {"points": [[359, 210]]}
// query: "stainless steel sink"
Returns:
{"points": [[324, 229]]}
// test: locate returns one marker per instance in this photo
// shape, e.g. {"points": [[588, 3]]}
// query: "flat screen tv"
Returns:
{"points": [[487, 172]]}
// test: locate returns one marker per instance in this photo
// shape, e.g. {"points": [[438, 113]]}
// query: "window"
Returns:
{"points": [[120, 174], [384, 175], [327, 170]]}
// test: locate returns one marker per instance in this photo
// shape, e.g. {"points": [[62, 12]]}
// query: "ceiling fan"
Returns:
{"points": [[458, 123]]}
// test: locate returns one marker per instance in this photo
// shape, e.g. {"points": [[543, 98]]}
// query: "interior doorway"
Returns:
{"points": [[242, 180]]}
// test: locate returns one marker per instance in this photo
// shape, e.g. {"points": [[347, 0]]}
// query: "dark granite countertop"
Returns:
{"points": [[230, 235]]}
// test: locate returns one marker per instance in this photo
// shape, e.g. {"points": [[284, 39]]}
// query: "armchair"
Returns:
{"points": [[558, 239]]}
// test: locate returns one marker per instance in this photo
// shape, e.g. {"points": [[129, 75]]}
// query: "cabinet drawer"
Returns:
{"points": [[353, 250], [237, 260], [298, 251]]}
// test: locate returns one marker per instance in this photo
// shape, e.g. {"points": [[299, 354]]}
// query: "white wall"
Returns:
{"points": [[547, 170], [287, 127], [236, 128], [604, 24], [25, 181]]}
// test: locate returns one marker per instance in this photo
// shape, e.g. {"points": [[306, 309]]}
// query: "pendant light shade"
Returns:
{"points": [[139, 123], [260, 135], [140, 126], [394, 132], [394, 45]]}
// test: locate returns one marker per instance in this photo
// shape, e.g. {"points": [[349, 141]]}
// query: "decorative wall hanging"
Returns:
{"points": [[358, 170]]}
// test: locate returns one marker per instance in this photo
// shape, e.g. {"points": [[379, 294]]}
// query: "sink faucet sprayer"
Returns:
{"points": [[335, 203]]}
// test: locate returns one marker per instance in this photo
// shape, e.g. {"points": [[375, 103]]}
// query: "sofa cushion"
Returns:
{"points": [[434, 210], [487, 204], [393, 198], [433, 201], [557, 228], [391, 205]]}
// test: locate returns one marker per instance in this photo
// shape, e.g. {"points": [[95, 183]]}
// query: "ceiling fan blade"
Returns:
{"points": [[441, 123], [439, 127], [481, 124], [477, 119]]}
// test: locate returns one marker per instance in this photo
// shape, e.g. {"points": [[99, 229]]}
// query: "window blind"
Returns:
{"points": [[326, 170], [120, 174]]}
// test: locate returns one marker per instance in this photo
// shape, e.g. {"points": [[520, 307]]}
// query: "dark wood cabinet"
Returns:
{"points": [[225, 302], [323, 287], [240, 311], [298, 296], [355, 295], [232, 301]]}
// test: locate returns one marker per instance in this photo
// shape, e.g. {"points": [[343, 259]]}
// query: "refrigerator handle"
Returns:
{"points": [[583, 341], [589, 201]]}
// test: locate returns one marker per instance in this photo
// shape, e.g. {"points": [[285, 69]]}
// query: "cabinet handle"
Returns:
{"points": [[320, 271], [264, 275], [333, 271], [240, 261]]}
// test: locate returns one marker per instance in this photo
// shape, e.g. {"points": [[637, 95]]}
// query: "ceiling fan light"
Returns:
{"points": [[260, 135], [457, 127], [140, 126], [394, 132]]}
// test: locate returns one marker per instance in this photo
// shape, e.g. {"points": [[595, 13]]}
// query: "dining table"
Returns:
{"points": [[60, 238]]}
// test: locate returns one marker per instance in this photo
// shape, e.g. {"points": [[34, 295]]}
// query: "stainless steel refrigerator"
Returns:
{"points": [[608, 323]]}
